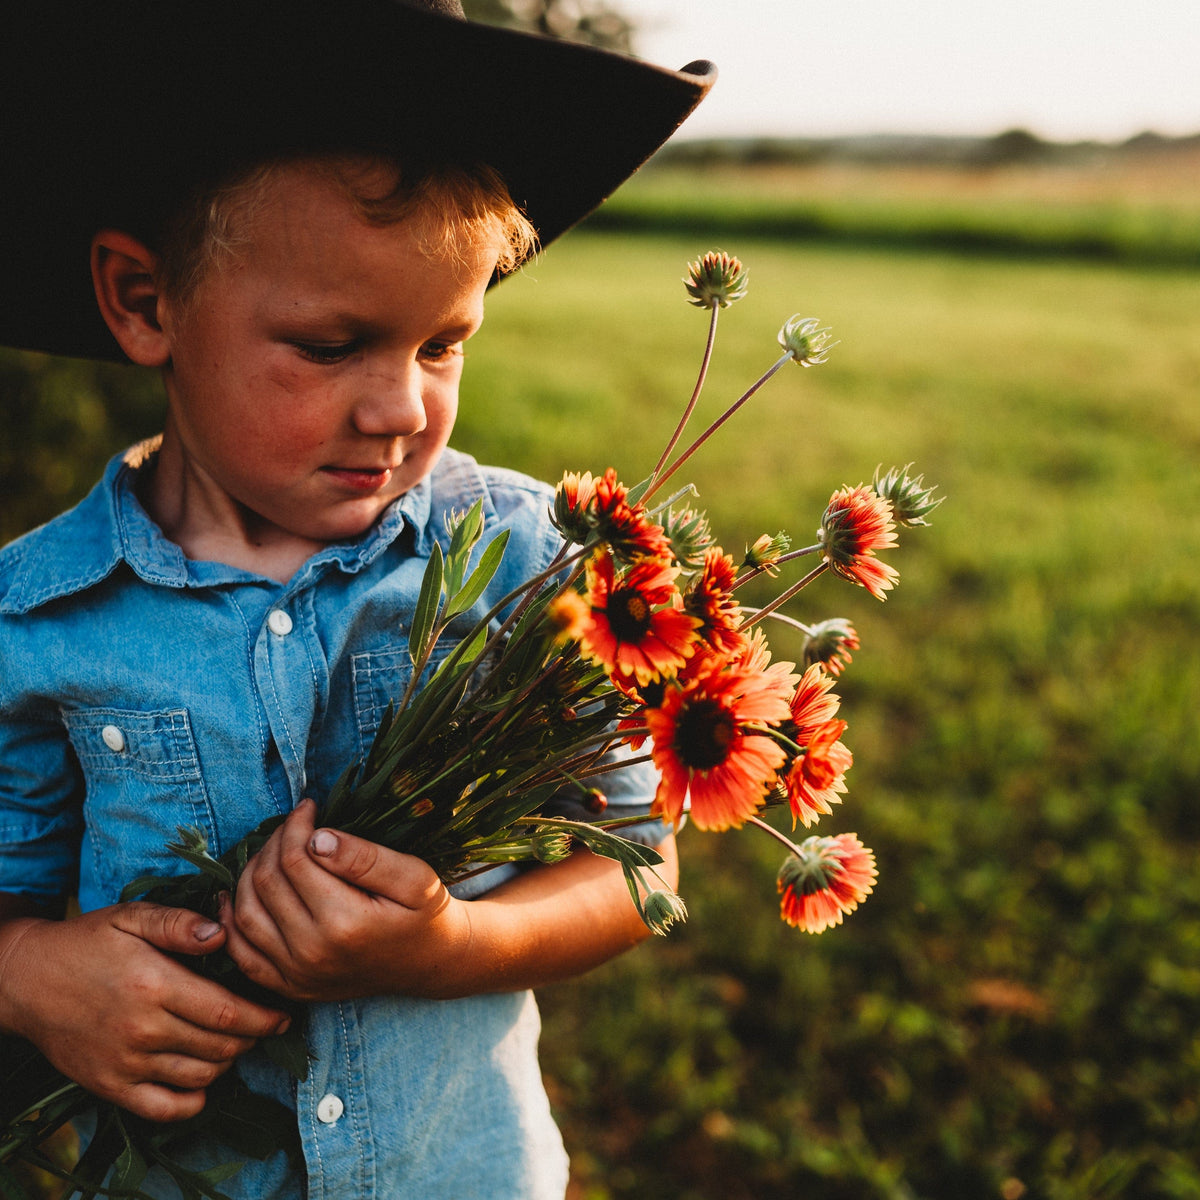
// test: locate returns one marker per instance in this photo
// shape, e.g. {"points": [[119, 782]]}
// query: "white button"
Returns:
{"points": [[329, 1108], [279, 622], [113, 738]]}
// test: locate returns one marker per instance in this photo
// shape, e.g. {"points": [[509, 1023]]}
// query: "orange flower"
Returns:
{"points": [[830, 876], [626, 527], [570, 616], [812, 705], [816, 778], [856, 523], [636, 628], [573, 499], [829, 644], [710, 600], [704, 748]]}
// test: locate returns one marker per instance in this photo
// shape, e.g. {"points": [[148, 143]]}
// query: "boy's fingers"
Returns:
{"points": [[156, 1102], [373, 868], [174, 930], [252, 958]]}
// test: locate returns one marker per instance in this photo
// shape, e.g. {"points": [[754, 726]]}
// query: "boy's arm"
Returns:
{"points": [[100, 998], [322, 915]]}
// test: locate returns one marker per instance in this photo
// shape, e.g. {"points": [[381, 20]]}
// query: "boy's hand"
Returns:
{"points": [[329, 916], [97, 995]]}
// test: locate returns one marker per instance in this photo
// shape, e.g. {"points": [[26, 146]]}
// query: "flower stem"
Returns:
{"points": [[779, 837], [755, 572], [786, 595], [691, 406], [718, 423]]}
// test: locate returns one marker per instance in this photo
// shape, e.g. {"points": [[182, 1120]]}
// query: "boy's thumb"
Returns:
{"points": [[374, 868], [174, 930]]}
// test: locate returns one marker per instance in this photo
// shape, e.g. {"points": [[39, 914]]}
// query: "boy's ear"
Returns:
{"points": [[124, 274]]}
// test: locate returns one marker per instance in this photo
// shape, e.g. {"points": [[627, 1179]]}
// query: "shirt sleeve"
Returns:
{"points": [[40, 818]]}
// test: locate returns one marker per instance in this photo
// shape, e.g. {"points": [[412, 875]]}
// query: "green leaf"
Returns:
{"points": [[130, 1168], [427, 606], [288, 1050], [203, 863], [470, 648], [467, 531], [489, 563], [143, 884]]}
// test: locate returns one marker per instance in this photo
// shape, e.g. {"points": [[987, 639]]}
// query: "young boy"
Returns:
{"points": [[215, 631]]}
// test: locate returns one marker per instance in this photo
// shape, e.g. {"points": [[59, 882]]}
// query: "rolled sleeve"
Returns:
{"points": [[40, 821]]}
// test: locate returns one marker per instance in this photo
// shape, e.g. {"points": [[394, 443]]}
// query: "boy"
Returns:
{"points": [[215, 631]]}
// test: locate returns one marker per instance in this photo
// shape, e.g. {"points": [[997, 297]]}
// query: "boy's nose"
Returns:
{"points": [[391, 404]]}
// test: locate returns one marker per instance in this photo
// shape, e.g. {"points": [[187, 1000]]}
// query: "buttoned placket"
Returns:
{"points": [[291, 676], [331, 1104]]}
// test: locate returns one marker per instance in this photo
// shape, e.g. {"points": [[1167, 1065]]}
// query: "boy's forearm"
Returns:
{"points": [[16, 914], [550, 924]]}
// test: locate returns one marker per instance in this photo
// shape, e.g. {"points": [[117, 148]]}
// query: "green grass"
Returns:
{"points": [[1017, 1005], [1135, 208], [1019, 999]]}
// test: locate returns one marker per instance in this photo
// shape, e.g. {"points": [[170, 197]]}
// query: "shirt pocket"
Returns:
{"points": [[380, 678], [143, 782]]}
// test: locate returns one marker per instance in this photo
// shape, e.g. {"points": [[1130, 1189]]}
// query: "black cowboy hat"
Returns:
{"points": [[111, 111]]}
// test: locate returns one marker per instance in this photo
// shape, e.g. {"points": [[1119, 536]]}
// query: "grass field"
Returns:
{"points": [[1016, 1008], [1016, 1011], [1132, 206]]}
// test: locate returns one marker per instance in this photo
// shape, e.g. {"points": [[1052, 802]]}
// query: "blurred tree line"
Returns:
{"points": [[593, 22]]}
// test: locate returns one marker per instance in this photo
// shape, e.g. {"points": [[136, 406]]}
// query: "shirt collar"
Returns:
{"points": [[83, 546]]}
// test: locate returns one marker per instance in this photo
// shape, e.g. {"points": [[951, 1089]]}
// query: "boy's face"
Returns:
{"points": [[315, 377]]}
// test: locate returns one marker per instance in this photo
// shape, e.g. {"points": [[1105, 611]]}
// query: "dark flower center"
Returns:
{"points": [[702, 735], [628, 615]]}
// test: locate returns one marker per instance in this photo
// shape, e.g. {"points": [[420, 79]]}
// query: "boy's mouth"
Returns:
{"points": [[363, 479]]}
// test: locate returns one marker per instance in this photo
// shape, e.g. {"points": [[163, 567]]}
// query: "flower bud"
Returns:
{"points": [[574, 500], [805, 340], [551, 846], [716, 280], [690, 536], [664, 909], [767, 551], [595, 801], [911, 502]]}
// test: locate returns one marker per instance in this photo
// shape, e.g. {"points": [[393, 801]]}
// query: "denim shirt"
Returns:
{"points": [[141, 691]]}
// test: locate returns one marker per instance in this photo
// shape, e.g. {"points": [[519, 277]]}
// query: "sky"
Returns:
{"points": [[1064, 69]]}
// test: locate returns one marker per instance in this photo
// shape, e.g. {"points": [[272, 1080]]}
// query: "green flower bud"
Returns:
{"points": [[663, 909], [550, 847], [911, 502], [766, 552], [805, 340], [716, 280]]}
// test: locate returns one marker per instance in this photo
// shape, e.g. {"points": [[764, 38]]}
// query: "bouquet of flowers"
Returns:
{"points": [[632, 645]]}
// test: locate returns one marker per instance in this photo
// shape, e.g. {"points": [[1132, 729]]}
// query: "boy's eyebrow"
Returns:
{"points": [[456, 326]]}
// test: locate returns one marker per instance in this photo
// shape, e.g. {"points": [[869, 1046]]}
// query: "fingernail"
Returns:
{"points": [[208, 930], [324, 843]]}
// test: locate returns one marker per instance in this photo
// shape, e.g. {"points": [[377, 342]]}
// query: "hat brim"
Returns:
{"points": [[115, 110]]}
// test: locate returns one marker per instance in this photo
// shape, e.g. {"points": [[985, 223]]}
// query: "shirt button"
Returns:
{"points": [[113, 738], [279, 622], [329, 1108]]}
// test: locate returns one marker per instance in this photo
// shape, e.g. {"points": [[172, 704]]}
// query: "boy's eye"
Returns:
{"points": [[319, 352], [436, 351]]}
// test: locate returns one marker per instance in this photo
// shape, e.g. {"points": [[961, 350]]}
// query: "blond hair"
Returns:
{"points": [[461, 208]]}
